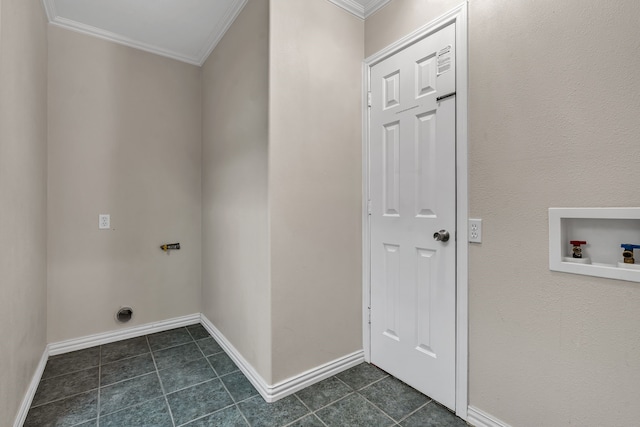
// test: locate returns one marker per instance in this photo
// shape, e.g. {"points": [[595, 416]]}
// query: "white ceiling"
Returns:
{"points": [[186, 30]]}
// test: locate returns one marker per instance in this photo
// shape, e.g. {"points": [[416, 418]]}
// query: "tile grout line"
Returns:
{"points": [[336, 377], [335, 401], [244, 417], [233, 399], [127, 406], [311, 412], [170, 346], [376, 406], [67, 373], [321, 420], [207, 359], [135, 377], [126, 358], [235, 402], [353, 391], [374, 382], [219, 378], [127, 379], [193, 385], [126, 341], [82, 422], [429, 400], [63, 398], [395, 423], [328, 404], [166, 401], [43, 380], [206, 415], [99, 385], [413, 412]]}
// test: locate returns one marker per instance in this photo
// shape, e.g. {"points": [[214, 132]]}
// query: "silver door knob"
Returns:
{"points": [[441, 236]]}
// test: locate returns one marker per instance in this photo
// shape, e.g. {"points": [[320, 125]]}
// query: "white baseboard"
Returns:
{"points": [[247, 369], [92, 341], [31, 391], [121, 334], [479, 418], [315, 375], [271, 393]]}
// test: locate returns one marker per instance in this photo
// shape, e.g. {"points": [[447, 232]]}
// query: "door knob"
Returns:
{"points": [[441, 236]]}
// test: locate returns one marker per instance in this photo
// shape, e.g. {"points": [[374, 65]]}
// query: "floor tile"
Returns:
{"points": [[72, 362], [126, 368], [198, 332], [353, 411], [124, 349], [262, 414], [65, 385], [394, 397], [169, 338], [186, 374], [361, 375], [92, 423], [209, 346], [130, 392], [194, 402], [211, 391], [308, 421], [222, 364], [153, 413], [177, 355], [323, 393], [64, 413], [433, 415], [228, 417], [239, 386]]}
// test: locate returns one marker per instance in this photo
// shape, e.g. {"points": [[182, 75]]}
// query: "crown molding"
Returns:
{"points": [[214, 37], [373, 6], [125, 41], [50, 9], [350, 6], [220, 30], [359, 10]]}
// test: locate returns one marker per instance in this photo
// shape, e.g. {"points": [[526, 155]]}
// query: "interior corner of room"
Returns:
{"points": [[253, 161]]}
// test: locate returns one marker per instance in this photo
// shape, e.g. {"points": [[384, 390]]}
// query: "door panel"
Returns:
{"points": [[413, 194]]}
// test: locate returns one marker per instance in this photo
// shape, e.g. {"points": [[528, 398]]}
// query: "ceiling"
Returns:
{"points": [[186, 30]]}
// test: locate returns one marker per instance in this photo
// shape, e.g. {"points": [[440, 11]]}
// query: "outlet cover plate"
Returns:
{"points": [[475, 230], [104, 221]]}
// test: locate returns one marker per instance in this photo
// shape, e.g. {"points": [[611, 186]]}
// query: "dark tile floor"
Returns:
{"points": [[182, 377]]}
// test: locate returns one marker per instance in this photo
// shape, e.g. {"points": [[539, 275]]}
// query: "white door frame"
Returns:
{"points": [[458, 16]]}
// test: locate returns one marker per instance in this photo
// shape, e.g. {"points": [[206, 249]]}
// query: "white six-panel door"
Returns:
{"points": [[412, 196]]}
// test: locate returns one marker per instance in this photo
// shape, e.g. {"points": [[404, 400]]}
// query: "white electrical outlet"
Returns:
{"points": [[104, 221], [475, 230]]}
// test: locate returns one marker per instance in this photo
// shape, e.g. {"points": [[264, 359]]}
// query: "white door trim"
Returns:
{"points": [[457, 15]]}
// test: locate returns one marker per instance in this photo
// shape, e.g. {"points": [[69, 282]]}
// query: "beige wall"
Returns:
{"points": [[399, 18], [236, 291], [314, 184], [124, 139], [553, 120], [23, 192]]}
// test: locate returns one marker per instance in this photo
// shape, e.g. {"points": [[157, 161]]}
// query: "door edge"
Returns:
{"points": [[457, 15]]}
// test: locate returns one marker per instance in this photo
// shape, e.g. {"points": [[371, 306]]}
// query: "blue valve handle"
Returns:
{"points": [[629, 246]]}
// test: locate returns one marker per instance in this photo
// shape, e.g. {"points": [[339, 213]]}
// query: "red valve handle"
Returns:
{"points": [[578, 242]]}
